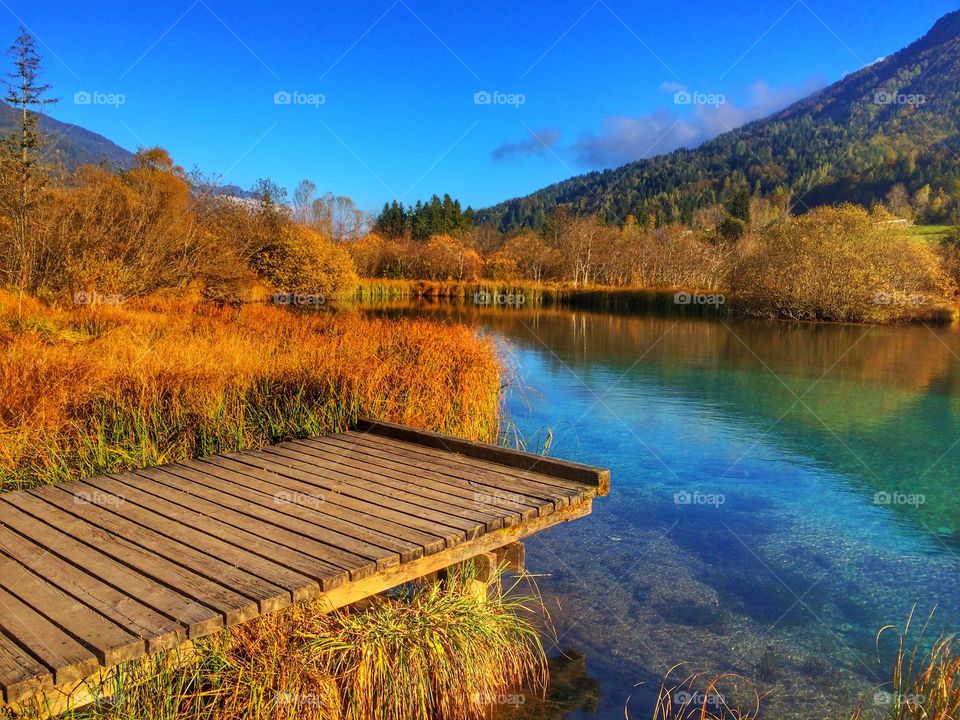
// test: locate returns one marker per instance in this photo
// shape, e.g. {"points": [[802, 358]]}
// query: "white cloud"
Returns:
{"points": [[672, 87], [625, 139]]}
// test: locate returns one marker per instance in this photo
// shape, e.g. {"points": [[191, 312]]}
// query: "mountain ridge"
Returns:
{"points": [[72, 145], [842, 143]]}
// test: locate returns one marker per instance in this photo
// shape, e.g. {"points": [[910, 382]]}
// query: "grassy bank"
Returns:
{"points": [[892, 308], [522, 294], [100, 389]]}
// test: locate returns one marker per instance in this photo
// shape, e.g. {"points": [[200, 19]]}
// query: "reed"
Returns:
{"points": [[690, 301], [925, 682]]}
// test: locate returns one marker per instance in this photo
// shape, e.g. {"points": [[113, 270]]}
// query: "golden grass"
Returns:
{"points": [[89, 390], [696, 698], [925, 682]]}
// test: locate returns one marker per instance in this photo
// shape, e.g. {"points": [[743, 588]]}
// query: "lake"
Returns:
{"points": [[780, 492]]}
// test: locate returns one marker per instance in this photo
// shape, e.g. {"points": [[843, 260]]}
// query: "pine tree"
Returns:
{"points": [[739, 206], [22, 174]]}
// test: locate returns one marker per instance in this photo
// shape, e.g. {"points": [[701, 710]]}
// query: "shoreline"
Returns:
{"points": [[673, 300]]}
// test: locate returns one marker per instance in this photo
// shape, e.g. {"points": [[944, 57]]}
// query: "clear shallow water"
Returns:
{"points": [[780, 492]]}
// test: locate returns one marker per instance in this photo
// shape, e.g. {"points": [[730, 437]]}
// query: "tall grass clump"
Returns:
{"points": [[426, 652], [925, 683], [90, 390], [696, 698], [443, 652]]}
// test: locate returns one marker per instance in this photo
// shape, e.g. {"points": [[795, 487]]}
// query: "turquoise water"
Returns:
{"points": [[780, 492]]}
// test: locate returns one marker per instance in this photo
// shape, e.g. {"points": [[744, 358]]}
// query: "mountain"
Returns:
{"points": [[895, 121], [72, 145]]}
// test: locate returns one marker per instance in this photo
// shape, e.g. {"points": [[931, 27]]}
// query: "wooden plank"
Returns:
{"points": [[350, 527], [499, 491], [109, 643], [278, 576], [586, 474], [349, 593], [513, 556], [341, 525], [137, 490], [158, 631], [561, 492], [21, 674], [267, 596], [425, 516], [194, 617], [341, 530], [60, 652], [407, 490], [261, 508], [229, 607], [350, 450], [418, 482], [350, 506], [290, 544]]}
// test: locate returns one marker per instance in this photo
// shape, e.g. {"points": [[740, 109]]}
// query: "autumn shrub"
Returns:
{"points": [[378, 256], [302, 260], [154, 228], [842, 264], [126, 233]]}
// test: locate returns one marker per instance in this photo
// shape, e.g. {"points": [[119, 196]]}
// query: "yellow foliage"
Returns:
{"points": [[838, 263]]}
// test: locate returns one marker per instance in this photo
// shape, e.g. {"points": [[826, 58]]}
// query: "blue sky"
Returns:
{"points": [[384, 97]]}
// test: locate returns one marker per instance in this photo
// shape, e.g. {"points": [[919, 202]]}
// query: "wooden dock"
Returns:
{"points": [[97, 572]]}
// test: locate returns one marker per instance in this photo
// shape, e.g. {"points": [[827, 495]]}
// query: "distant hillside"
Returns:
{"points": [[72, 144], [894, 121]]}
